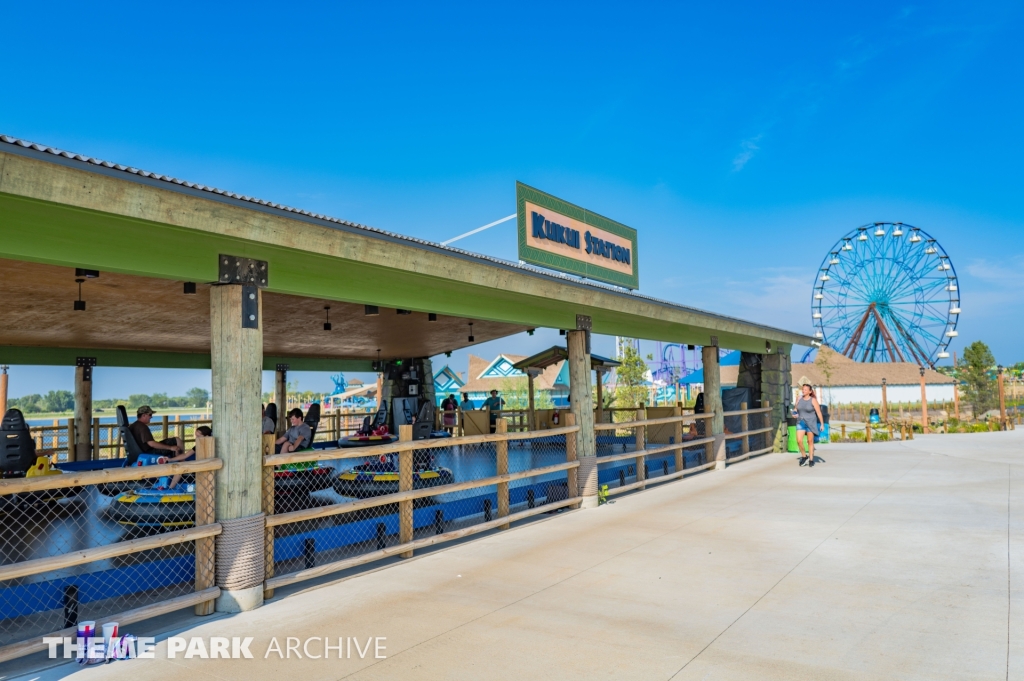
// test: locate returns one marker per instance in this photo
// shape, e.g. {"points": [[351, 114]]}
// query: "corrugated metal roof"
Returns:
{"points": [[345, 224]]}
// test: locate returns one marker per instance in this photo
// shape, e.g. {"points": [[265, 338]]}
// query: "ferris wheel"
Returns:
{"points": [[887, 292]]}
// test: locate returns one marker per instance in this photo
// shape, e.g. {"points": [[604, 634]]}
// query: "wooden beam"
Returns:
{"points": [[82, 478], [204, 516], [328, 568], [501, 460], [405, 526], [123, 548], [377, 450], [35, 644], [372, 502]]}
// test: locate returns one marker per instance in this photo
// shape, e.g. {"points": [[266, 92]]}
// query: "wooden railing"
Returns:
{"points": [[642, 428], [203, 532], [406, 495]]}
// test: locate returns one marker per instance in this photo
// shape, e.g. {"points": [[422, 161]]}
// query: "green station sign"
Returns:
{"points": [[563, 236]]}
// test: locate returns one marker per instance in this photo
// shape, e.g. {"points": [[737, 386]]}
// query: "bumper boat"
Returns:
{"points": [[19, 460], [139, 503], [376, 478]]}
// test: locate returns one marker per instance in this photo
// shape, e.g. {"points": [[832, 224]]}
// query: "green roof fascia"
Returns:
{"points": [[40, 356], [77, 237]]}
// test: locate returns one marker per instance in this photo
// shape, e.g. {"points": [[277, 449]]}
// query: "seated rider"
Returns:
{"points": [[691, 434], [268, 423], [297, 437], [171, 446], [190, 455]]}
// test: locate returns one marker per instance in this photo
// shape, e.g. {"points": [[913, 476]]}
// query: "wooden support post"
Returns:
{"points": [[281, 398], [71, 447], [405, 529], [713, 405], [583, 409], [501, 448], [867, 429], [599, 416], [166, 429], [842, 429], [678, 437], [3, 390], [268, 509], [79, 446], [744, 427], [205, 515], [924, 404], [96, 438], [572, 476], [532, 404], [641, 446], [236, 362], [885, 403], [1002, 400]]}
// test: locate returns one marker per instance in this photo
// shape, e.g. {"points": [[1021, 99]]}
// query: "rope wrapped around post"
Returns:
{"points": [[240, 553]]}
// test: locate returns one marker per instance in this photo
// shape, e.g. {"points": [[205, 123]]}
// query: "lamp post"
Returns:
{"points": [[924, 404], [1002, 399], [885, 404]]}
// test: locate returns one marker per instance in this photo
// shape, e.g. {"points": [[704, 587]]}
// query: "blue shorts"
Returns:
{"points": [[802, 425]]}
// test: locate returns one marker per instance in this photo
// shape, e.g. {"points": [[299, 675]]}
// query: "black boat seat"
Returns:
{"points": [[424, 425], [19, 448], [131, 447], [313, 420]]}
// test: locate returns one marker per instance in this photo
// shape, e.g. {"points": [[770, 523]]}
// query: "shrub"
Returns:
{"points": [[856, 436], [978, 428], [880, 437]]}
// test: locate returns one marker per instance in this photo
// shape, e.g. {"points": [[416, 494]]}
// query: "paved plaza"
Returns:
{"points": [[884, 561]]}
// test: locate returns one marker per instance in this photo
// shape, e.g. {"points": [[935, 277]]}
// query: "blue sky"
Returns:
{"points": [[741, 140]]}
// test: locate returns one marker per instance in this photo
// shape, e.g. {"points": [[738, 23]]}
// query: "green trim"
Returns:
{"points": [[34, 230], [38, 356], [561, 263]]}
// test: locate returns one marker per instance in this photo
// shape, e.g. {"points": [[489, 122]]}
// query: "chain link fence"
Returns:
{"points": [[93, 551], [354, 518]]}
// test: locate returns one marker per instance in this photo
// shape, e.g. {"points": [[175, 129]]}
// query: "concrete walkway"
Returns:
{"points": [[885, 561]]}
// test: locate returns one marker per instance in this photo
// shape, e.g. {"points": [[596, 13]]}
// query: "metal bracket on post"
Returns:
{"points": [[87, 363], [714, 341], [282, 367], [250, 308], [585, 323], [246, 271], [251, 274]]}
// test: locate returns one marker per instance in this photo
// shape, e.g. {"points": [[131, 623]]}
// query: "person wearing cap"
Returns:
{"points": [[171, 446]]}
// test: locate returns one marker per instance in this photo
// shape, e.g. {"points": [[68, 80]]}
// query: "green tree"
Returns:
{"points": [[29, 404], [136, 401], [515, 390], [58, 401], [630, 378], [197, 397], [975, 375]]}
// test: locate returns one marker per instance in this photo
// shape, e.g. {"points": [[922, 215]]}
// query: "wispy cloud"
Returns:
{"points": [[1006, 272], [748, 148]]}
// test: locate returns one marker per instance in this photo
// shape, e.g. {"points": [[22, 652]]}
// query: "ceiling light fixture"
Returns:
{"points": [[371, 310], [190, 288], [472, 338], [431, 316], [327, 323], [80, 304], [403, 311]]}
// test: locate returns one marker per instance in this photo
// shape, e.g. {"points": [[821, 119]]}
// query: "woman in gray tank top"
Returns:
{"points": [[808, 413]]}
